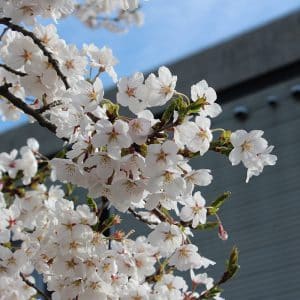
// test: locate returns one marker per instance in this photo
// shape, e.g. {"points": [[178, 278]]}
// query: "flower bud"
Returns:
{"points": [[223, 235]]}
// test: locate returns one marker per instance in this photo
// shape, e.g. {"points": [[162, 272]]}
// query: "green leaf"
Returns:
{"points": [[168, 113], [61, 153], [210, 294], [208, 225], [218, 203], [232, 265]]}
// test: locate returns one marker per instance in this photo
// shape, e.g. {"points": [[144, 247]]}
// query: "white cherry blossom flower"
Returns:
{"points": [[186, 257], [201, 141], [207, 95], [11, 262], [22, 52], [148, 115], [18, 11], [169, 181], [170, 287], [262, 159], [184, 133], [8, 111], [202, 278], [90, 94], [161, 156], [8, 163], [194, 210], [166, 237], [102, 165], [131, 91], [47, 34], [103, 59], [125, 192], [73, 63], [114, 136], [246, 146], [66, 170], [201, 177], [162, 87], [139, 129], [28, 163]]}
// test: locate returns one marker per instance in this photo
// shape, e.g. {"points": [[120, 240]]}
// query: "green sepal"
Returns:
{"points": [[112, 109], [195, 107], [225, 136], [92, 204], [69, 189], [208, 225]]}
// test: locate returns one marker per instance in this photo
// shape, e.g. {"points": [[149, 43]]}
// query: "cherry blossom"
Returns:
{"points": [[162, 87], [114, 136], [131, 92], [194, 210], [206, 96], [166, 237]]}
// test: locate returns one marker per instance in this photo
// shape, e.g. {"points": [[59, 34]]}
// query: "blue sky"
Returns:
{"points": [[174, 29]]}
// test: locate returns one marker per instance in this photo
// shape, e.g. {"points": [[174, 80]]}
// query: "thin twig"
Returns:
{"points": [[3, 32], [104, 205], [160, 215], [140, 218], [9, 69], [48, 106], [93, 117], [40, 292], [4, 91], [38, 42]]}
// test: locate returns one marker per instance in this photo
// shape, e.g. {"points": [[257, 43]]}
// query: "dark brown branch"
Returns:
{"points": [[48, 106], [38, 42], [93, 117], [40, 292], [160, 215], [4, 91], [3, 33], [9, 69]]}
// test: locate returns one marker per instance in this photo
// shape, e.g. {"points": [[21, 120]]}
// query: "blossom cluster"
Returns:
{"points": [[42, 230], [138, 164], [90, 11], [114, 15]]}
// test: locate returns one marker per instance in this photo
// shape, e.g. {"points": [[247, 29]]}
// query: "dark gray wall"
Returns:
{"points": [[262, 217]]}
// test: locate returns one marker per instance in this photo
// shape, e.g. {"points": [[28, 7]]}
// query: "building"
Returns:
{"points": [[257, 77]]}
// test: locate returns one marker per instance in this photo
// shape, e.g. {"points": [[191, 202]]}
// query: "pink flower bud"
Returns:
{"points": [[223, 235]]}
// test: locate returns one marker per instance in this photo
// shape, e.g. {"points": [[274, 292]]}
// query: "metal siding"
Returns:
{"points": [[262, 217]]}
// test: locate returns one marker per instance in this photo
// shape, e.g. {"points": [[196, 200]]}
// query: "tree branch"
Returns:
{"points": [[38, 42], [140, 218], [9, 69], [3, 33], [40, 292], [4, 91], [48, 106]]}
